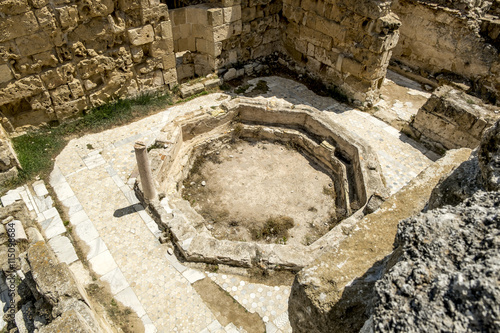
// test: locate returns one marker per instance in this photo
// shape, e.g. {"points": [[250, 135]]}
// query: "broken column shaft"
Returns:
{"points": [[141, 155]]}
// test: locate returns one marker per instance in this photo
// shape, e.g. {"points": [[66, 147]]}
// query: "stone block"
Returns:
{"points": [[331, 28], [166, 30], [13, 7], [45, 18], [55, 77], [70, 321], [70, 109], [232, 14], [161, 47], [213, 83], [22, 88], [315, 37], [63, 249], [68, 16], [352, 66], [170, 76], [230, 74], [168, 61], [76, 88], [141, 36], [200, 31], [190, 90], [197, 15], [453, 119], [17, 26], [179, 16], [5, 73], [185, 71], [215, 17], [187, 44], [34, 43], [54, 280], [39, 3], [185, 30]]}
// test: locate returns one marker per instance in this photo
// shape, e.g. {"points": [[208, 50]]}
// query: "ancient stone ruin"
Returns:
{"points": [[349, 146]]}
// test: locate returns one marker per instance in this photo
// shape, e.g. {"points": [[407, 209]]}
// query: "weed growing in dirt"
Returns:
{"points": [[275, 227]]}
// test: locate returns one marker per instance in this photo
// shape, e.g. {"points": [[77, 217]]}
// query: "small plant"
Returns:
{"points": [[242, 89], [89, 146], [274, 228], [470, 101], [330, 191], [261, 87], [225, 86], [155, 145], [214, 268], [237, 131], [66, 223]]}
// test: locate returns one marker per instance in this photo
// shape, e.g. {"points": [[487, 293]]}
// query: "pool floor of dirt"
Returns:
{"points": [[240, 186]]}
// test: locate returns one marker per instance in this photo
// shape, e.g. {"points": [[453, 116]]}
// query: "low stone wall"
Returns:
{"points": [[355, 167], [60, 58], [334, 293], [452, 119]]}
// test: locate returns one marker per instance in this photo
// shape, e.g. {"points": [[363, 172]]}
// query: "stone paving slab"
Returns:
{"points": [[270, 302], [63, 249]]}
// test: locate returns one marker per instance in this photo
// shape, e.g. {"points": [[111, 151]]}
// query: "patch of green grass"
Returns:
{"points": [[225, 86], [187, 99], [242, 89], [36, 150], [275, 227]]}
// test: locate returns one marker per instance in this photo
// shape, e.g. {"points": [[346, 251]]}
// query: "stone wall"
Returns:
{"points": [[437, 39], [61, 57], [261, 28], [58, 58], [345, 43]]}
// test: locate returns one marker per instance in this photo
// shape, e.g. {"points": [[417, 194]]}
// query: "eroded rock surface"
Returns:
{"points": [[447, 279]]}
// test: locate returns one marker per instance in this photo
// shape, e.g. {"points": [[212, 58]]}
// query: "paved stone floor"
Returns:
{"points": [[93, 177]]}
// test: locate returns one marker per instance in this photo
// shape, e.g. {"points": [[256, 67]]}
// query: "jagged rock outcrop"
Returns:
{"points": [[447, 277], [447, 259]]}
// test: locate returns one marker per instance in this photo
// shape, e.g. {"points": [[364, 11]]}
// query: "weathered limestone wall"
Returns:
{"points": [[261, 28], [345, 43], [58, 58], [439, 39], [193, 31]]}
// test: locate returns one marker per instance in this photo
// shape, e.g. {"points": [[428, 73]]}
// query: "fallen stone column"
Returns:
{"points": [[141, 155]]}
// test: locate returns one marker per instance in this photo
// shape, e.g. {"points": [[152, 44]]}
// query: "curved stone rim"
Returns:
{"points": [[194, 241]]}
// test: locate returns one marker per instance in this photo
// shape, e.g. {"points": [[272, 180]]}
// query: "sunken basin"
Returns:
{"points": [[260, 183]]}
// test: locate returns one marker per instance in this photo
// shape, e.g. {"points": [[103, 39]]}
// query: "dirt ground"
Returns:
{"points": [[240, 186]]}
